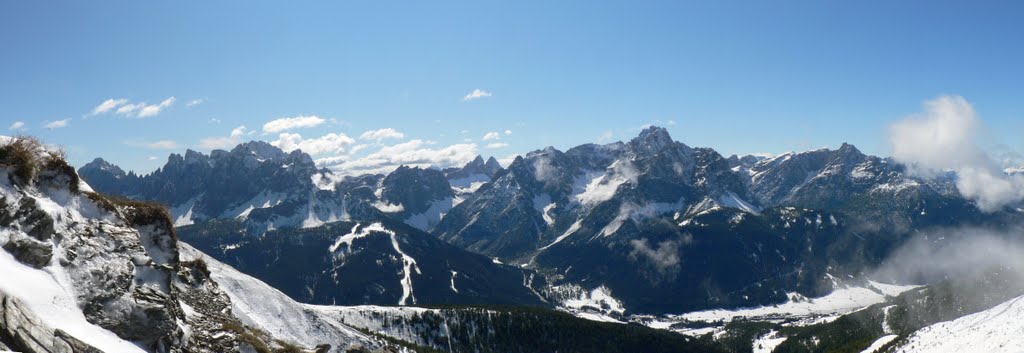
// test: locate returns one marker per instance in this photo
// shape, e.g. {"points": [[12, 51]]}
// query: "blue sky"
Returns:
{"points": [[741, 77]]}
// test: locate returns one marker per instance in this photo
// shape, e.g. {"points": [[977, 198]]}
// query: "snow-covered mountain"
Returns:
{"points": [[666, 227]]}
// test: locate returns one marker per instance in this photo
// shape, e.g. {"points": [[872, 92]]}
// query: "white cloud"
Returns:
{"points": [[195, 102], [381, 134], [152, 110], [606, 136], [508, 132], [412, 153], [163, 145], [57, 124], [497, 145], [493, 135], [108, 105], [214, 121], [944, 137], [17, 126], [224, 142], [330, 143], [135, 110], [129, 109], [152, 158], [284, 124], [476, 94]]}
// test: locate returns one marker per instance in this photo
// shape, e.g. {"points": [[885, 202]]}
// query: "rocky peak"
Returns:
{"points": [[492, 164], [100, 164], [415, 188], [260, 150], [653, 139]]}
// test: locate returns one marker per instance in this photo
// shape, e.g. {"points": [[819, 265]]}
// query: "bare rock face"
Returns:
{"points": [[23, 331], [30, 252]]}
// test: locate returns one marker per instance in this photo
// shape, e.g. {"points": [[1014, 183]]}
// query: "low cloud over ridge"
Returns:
{"points": [[945, 137]]}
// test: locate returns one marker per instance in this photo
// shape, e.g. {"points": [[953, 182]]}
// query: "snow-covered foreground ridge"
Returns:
{"points": [[999, 329], [261, 306], [81, 272]]}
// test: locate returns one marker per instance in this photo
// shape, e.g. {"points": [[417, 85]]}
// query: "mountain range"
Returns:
{"points": [[665, 227], [650, 231]]}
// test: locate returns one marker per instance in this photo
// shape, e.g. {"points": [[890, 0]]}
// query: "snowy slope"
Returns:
{"points": [[1000, 329], [260, 305]]}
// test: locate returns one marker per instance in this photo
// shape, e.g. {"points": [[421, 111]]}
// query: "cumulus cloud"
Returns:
{"points": [[57, 124], [17, 126], [508, 132], [382, 134], [225, 141], [945, 137], [108, 105], [417, 153], [285, 124], [497, 145], [330, 143], [493, 135], [476, 94]]}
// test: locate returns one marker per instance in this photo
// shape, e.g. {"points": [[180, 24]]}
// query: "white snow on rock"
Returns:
{"points": [[454, 274], [730, 199], [409, 264], [262, 200], [432, 216], [388, 208], [49, 294], [999, 329], [542, 203], [602, 187], [183, 213], [572, 229]]}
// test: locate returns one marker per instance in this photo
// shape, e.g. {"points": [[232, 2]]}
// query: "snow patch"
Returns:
{"points": [[388, 208], [881, 341], [572, 229], [432, 216], [731, 200], [542, 203]]}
